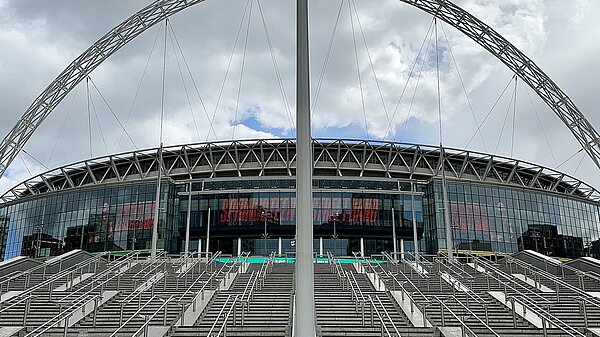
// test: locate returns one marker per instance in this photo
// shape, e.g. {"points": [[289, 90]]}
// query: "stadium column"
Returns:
{"points": [[305, 301], [362, 246], [279, 246]]}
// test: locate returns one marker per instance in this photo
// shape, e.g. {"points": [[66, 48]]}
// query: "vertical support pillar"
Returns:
{"points": [[362, 246], [279, 247], [208, 234], [239, 246], [157, 205], [188, 218], [402, 249], [414, 219], [394, 238], [321, 246], [447, 222], [199, 247], [305, 301]]}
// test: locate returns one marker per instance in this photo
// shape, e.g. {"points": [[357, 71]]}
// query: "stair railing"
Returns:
{"points": [[65, 315], [384, 319], [376, 314], [545, 315], [558, 282], [465, 329], [226, 316], [27, 300], [223, 272], [143, 330], [510, 282], [247, 295], [134, 315], [360, 300], [109, 274]]}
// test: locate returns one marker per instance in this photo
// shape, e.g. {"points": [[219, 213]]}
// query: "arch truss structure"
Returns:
{"points": [[277, 157], [159, 10]]}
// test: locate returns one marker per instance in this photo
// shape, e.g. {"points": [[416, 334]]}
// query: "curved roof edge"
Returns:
{"points": [[276, 157]]}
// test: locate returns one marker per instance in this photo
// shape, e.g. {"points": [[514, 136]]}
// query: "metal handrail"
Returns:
{"points": [[135, 292], [24, 299], [105, 273], [557, 281], [387, 315], [384, 327], [226, 316], [189, 289], [150, 266], [51, 280], [144, 326], [462, 323], [466, 307], [546, 315], [141, 307], [453, 266], [63, 315], [417, 290], [497, 271]]}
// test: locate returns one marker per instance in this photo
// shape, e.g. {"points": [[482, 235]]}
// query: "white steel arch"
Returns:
{"points": [[159, 10]]}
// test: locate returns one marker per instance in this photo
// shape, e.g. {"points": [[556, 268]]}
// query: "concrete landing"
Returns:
{"points": [[76, 281], [10, 294], [80, 313], [454, 282], [190, 316], [533, 283], [8, 331], [451, 331], [415, 315], [418, 268], [530, 315], [376, 281], [157, 330], [594, 331], [479, 268], [148, 284]]}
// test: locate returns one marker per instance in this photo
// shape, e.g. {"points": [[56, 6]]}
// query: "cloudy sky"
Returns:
{"points": [[230, 65]]}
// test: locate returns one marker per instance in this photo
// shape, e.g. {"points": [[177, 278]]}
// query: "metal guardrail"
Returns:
{"points": [[144, 328], [382, 323], [135, 314], [226, 315], [64, 317], [465, 329]]}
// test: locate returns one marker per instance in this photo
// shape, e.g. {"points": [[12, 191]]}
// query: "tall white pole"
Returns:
{"points": [[187, 223], [157, 206], [449, 241], [305, 302], [414, 219], [208, 234], [394, 238]]}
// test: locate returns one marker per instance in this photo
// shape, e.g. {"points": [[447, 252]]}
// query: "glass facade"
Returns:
{"points": [[484, 217], [506, 219]]}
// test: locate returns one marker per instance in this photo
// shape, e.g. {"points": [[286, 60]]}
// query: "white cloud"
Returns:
{"points": [[39, 39]]}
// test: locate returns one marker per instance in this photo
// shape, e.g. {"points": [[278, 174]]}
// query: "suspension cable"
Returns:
{"points": [[566, 160], [462, 83], [489, 112], [541, 125], [112, 112], [437, 71], [371, 62], [508, 110], [425, 39], [185, 89], [35, 159], [512, 142], [185, 62], [412, 100], [362, 96], [87, 86], [239, 91], [280, 82], [98, 122], [237, 37], [62, 126], [25, 164], [315, 99], [139, 87], [164, 80]]}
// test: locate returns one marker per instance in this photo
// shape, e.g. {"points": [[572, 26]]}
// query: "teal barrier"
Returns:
{"points": [[262, 259]]}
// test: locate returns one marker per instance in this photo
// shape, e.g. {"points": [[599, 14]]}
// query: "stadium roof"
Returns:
{"points": [[277, 157]]}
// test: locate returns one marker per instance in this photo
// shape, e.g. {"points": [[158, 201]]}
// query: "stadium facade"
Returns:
{"points": [[242, 190]]}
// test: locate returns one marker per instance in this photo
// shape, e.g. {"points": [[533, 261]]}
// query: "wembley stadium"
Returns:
{"points": [[240, 196]]}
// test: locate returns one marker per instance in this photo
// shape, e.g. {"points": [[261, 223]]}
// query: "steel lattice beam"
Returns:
{"points": [[154, 13]]}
